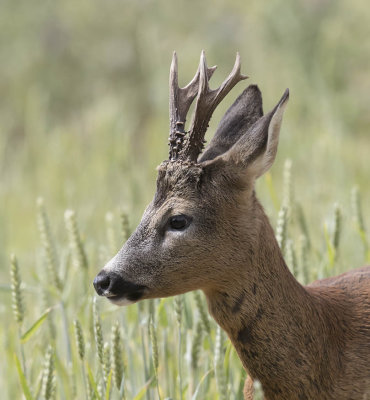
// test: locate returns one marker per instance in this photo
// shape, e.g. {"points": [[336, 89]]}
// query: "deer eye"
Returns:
{"points": [[179, 222]]}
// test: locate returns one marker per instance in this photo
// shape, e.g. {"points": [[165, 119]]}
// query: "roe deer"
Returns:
{"points": [[205, 229]]}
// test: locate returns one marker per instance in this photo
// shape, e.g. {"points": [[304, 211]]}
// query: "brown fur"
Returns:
{"points": [[300, 342]]}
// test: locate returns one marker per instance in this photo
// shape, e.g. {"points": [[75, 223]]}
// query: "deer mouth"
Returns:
{"points": [[126, 298], [121, 300]]}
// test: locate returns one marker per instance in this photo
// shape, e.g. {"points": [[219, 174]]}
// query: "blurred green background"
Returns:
{"points": [[84, 101]]}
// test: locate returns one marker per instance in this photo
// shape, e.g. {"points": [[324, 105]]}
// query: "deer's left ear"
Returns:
{"points": [[255, 151], [245, 111]]}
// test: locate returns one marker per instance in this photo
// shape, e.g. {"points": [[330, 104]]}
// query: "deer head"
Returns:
{"points": [[189, 235]]}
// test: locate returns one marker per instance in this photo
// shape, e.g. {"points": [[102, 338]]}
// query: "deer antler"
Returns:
{"points": [[180, 102], [207, 101]]}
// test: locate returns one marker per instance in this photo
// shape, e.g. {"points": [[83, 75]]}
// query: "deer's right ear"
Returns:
{"points": [[255, 151]]}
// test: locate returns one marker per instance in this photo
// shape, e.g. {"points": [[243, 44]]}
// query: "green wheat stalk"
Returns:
{"points": [[219, 366], [202, 312], [281, 228], [196, 344], [107, 360], [75, 242], [142, 325], [17, 302], [79, 339], [291, 257], [80, 343], [179, 304], [48, 245], [17, 295], [359, 220], [337, 228], [154, 343], [48, 382], [98, 335], [117, 356]]}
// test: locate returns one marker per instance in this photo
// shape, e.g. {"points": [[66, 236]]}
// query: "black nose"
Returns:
{"points": [[112, 285], [102, 282]]}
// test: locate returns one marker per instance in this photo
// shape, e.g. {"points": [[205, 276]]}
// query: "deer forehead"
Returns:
{"points": [[177, 179], [189, 187]]}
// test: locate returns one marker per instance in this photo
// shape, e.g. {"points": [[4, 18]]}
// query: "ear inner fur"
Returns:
{"points": [[254, 152], [244, 112]]}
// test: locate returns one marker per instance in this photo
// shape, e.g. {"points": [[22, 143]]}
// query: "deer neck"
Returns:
{"points": [[266, 313]]}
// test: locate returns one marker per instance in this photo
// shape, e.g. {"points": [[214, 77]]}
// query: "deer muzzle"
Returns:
{"points": [[116, 289]]}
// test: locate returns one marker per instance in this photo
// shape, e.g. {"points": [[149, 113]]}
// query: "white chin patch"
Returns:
{"points": [[121, 302]]}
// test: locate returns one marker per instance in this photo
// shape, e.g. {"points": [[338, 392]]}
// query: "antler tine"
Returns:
{"points": [[180, 102], [207, 102]]}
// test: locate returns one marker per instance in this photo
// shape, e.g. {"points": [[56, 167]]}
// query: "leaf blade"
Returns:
{"points": [[92, 381], [22, 378], [27, 335]]}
